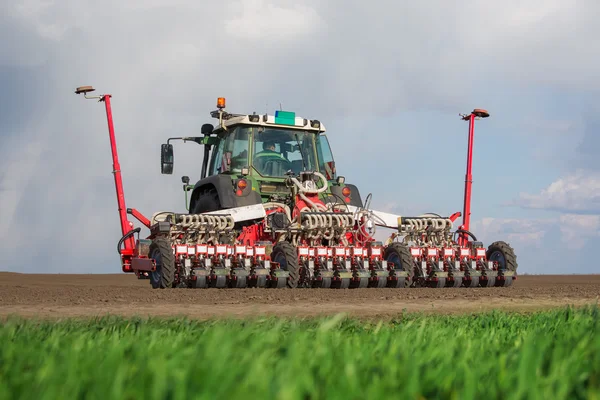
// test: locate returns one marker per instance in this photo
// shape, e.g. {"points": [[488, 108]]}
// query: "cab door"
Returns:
{"points": [[325, 156]]}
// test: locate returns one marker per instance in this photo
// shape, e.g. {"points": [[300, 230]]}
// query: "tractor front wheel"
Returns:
{"points": [[162, 254], [286, 255], [207, 201]]}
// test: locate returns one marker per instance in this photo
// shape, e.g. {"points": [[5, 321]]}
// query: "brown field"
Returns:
{"points": [[59, 296]]}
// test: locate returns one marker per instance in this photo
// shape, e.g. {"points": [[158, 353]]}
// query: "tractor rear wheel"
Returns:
{"points": [[162, 254], [504, 255], [286, 255], [399, 254]]}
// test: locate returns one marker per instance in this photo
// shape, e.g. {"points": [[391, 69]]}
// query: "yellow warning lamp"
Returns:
{"points": [[221, 103]]}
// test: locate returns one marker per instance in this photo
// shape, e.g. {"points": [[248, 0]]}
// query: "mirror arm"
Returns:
{"points": [[195, 139], [205, 160], [186, 189]]}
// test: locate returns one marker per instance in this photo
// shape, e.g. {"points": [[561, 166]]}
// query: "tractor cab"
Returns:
{"points": [[248, 158]]}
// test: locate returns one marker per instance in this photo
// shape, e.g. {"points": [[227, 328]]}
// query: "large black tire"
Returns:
{"points": [[207, 201], [506, 258], [399, 254], [162, 254], [287, 256]]}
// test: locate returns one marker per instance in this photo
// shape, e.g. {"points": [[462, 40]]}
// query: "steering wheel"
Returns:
{"points": [[270, 165]]}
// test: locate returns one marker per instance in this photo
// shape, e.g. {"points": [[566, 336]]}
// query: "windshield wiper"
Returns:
{"points": [[301, 152]]}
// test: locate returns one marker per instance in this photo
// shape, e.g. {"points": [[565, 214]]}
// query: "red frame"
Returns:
{"points": [[464, 238], [128, 250]]}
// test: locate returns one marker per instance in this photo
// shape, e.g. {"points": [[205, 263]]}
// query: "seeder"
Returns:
{"points": [[270, 211]]}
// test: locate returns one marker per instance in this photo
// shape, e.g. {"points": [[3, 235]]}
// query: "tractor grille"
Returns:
{"points": [[273, 188]]}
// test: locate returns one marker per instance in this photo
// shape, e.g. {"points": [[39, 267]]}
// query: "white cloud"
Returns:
{"points": [[42, 16], [531, 235], [18, 171], [261, 20], [578, 192], [522, 233], [577, 229]]}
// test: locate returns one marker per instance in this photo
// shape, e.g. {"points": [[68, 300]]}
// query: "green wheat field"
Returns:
{"points": [[546, 355]]}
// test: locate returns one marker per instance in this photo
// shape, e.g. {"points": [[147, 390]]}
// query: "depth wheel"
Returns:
{"points": [[241, 282], [278, 283], [261, 281], [489, 282], [286, 255], [219, 282], [439, 283], [400, 282], [344, 283], [378, 281], [473, 282], [399, 254], [162, 254], [506, 282], [455, 282], [324, 283], [200, 282], [363, 283]]}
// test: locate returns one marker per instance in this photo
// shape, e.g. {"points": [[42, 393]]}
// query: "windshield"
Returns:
{"points": [[276, 151]]}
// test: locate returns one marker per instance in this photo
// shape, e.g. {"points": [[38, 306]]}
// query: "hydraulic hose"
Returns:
{"points": [[126, 236], [428, 214], [467, 232]]}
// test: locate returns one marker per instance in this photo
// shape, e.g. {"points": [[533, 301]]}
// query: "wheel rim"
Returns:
{"points": [[395, 258], [156, 275], [280, 258], [498, 257]]}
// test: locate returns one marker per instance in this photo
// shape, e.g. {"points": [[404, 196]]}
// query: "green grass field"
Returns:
{"points": [[549, 355]]}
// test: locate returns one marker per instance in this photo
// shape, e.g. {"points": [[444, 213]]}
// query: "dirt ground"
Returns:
{"points": [[58, 296]]}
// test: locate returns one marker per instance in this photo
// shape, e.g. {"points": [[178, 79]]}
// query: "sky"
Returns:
{"points": [[387, 78]]}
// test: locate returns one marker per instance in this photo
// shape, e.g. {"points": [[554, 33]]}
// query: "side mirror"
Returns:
{"points": [[166, 159]]}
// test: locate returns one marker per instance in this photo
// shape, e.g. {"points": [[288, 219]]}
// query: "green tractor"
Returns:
{"points": [[247, 159]]}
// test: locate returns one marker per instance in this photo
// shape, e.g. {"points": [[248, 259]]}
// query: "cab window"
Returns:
{"points": [[231, 155], [326, 162]]}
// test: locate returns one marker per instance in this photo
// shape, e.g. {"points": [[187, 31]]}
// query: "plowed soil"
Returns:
{"points": [[51, 296]]}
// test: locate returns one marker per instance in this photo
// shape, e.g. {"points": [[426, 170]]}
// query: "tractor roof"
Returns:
{"points": [[281, 119]]}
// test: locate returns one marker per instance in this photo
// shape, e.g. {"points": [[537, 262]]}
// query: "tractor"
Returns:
{"points": [[270, 211], [253, 156]]}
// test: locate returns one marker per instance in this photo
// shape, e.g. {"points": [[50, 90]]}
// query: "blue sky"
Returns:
{"points": [[387, 78]]}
